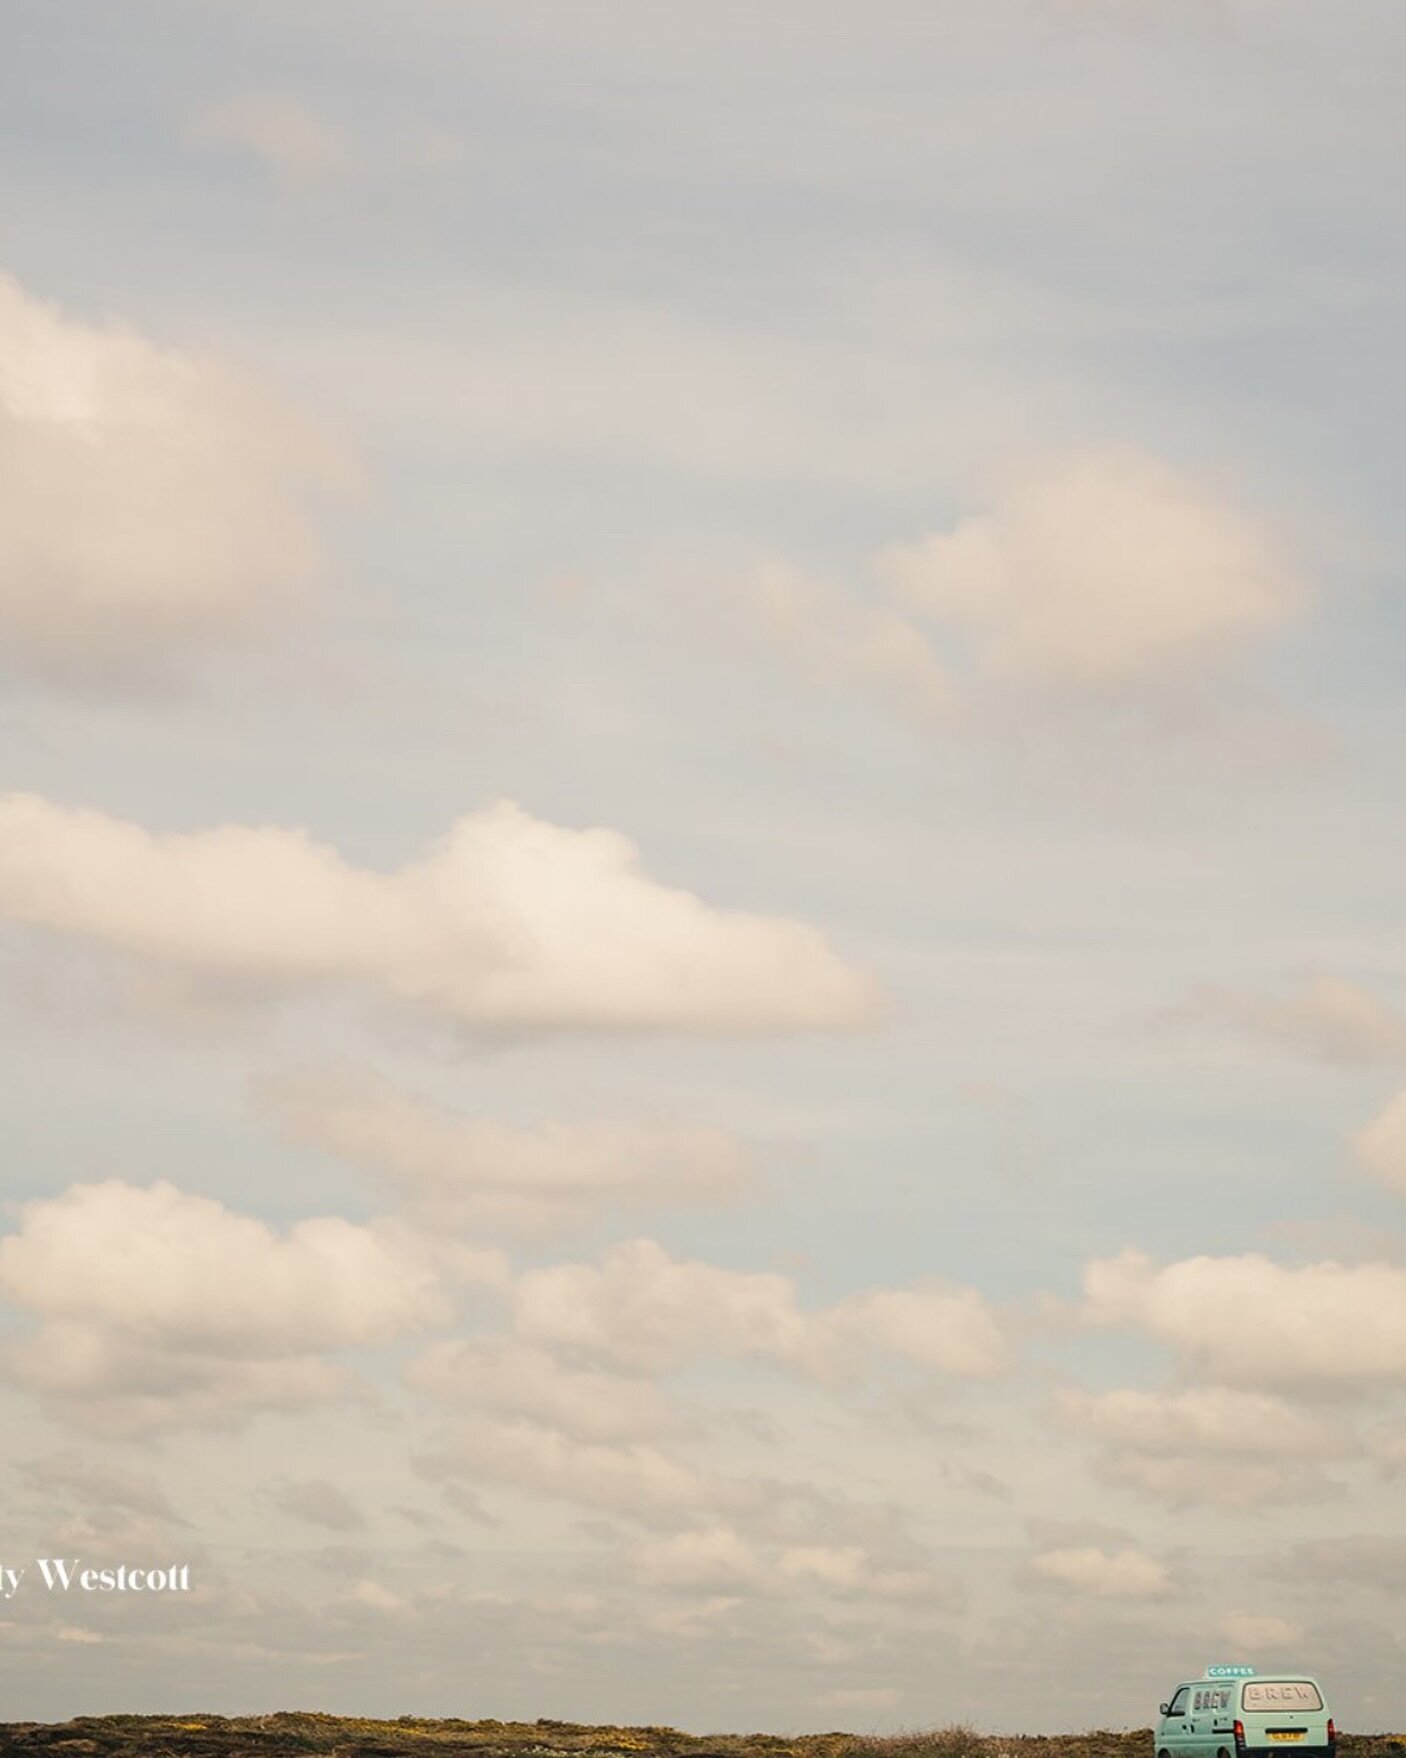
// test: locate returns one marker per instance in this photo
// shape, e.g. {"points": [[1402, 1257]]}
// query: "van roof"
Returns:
{"points": [[1282, 1676]]}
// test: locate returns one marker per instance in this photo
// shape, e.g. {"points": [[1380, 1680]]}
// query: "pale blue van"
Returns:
{"points": [[1235, 1712]]}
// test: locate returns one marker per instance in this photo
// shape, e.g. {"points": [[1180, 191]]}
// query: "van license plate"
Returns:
{"points": [[1287, 1734]]}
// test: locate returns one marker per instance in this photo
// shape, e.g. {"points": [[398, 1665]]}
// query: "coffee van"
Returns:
{"points": [[1235, 1712]]}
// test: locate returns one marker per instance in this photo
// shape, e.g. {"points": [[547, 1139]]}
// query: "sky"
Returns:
{"points": [[701, 851]]}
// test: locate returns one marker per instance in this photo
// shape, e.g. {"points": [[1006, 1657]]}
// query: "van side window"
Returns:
{"points": [[1177, 1706]]}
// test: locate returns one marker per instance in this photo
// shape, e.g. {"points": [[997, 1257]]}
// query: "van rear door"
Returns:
{"points": [[1283, 1715]]}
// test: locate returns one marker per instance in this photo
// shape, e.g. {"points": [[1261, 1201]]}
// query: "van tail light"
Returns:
{"points": [[1332, 1734], [1239, 1738]]}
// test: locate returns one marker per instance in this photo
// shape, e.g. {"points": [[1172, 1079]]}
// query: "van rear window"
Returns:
{"points": [[1260, 1695]]}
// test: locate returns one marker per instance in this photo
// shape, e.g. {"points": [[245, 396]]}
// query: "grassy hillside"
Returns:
{"points": [[290, 1735]]}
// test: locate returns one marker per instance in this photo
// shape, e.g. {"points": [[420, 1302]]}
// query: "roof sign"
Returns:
{"points": [[1230, 1672]]}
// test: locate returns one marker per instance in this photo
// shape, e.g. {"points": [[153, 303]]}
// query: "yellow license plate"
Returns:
{"points": [[1291, 1734]]}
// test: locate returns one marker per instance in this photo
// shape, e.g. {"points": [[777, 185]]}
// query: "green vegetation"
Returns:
{"points": [[290, 1734]]}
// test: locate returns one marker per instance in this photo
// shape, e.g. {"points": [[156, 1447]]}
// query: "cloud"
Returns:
{"points": [[715, 1557], [1184, 1480], [318, 1502], [1065, 1534], [473, 1172], [1210, 1419], [950, 1329], [1103, 1574], [302, 148], [508, 922], [1329, 1020], [568, 1406], [501, 1377], [541, 1425], [718, 1558], [1380, 1146], [635, 1479], [756, 1533], [196, 489], [91, 1507], [1340, 1237], [850, 1569], [1359, 1560], [157, 1308], [861, 1697], [1097, 568], [1386, 1446], [98, 1485], [1256, 1632], [286, 135], [1249, 1322], [105, 1535], [146, 1260], [377, 1597], [1212, 1445], [857, 640], [112, 1387], [644, 1312], [1099, 576]]}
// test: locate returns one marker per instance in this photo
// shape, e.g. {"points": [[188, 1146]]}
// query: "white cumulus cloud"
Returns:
{"points": [[475, 1172], [861, 641], [635, 1479], [1261, 1633], [501, 1377], [285, 133], [714, 1557], [301, 147], [645, 1312], [155, 1307], [1207, 1419], [1216, 1480], [1354, 1560], [719, 1558], [1251, 1322], [154, 499], [507, 922], [1096, 568], [1328, 1019], [861, 1697], [1221, 1446], [1380, 1145], [318, 1501], [1102, 1573], [951, 1329]]}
